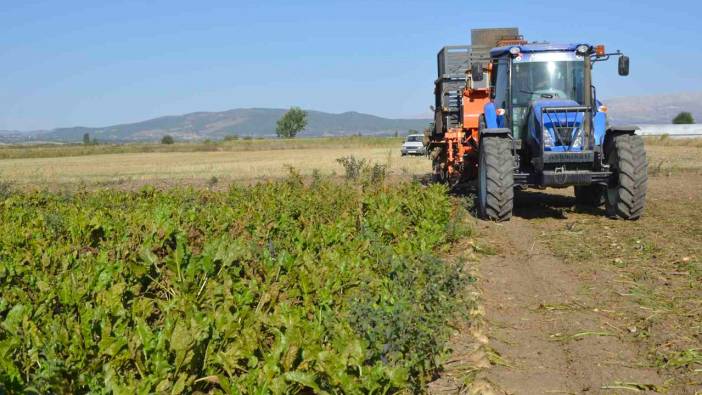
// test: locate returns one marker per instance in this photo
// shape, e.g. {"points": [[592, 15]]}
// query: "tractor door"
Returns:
{"points": [[500, 88]]}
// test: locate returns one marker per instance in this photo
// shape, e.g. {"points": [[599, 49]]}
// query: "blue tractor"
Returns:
{"points": [[544, 127]]}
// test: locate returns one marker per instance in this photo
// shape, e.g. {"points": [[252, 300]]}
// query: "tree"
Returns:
{"points": [[290, 124], [167, 139], [86, 138], [684, 118]]}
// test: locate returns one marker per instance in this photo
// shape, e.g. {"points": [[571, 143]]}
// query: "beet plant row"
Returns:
{"points": [[280, 287]]}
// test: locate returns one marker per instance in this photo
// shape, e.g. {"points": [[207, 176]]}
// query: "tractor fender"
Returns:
{"points": [[613, 131], [490, 114]]}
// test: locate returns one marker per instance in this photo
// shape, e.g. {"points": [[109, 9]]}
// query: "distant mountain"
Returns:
{"points": [[11, 136], [258, 122], [658, 109]]}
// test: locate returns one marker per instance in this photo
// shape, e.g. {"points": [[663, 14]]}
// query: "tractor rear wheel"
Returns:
{"points": [[590, 195], [626, 192], [495, 179]]}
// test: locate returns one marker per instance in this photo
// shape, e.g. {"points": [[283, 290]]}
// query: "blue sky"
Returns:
{"points": [[96, 63]]}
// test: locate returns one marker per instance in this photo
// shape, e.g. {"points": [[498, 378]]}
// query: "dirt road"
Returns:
{"points": [[545, 323], [575, 303]]}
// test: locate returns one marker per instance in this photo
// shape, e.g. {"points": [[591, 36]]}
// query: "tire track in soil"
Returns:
{"points": [[546, 326]]}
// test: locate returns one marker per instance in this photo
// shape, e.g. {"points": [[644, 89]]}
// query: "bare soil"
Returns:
{"points": [[576, 303], [545, 324]]}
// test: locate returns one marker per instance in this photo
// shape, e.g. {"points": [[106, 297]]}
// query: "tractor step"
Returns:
{"points": [[556, 178], [552, 178]]}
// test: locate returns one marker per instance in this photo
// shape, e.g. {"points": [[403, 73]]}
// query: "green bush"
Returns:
{"points": [[684, 118], [167, 139], [5, 189], [291, 123], [353, 167], [279, 287]]}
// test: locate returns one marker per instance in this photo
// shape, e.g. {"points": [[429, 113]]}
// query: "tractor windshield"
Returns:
{"points": [[552, 78], [533, 81]]}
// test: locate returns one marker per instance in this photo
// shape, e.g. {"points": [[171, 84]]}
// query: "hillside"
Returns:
{"points": [[660, 109], [258, 122]]}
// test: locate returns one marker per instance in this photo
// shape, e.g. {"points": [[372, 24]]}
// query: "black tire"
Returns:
{"points": [[626, 192], [438, 162], [495, 179], [590, 195], [439, 175]]}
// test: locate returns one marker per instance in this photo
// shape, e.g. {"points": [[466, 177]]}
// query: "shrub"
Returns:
{"points": [[5, 189], [357, 169], [683, 118], [167, 139], [377, 173], [353, 166]]}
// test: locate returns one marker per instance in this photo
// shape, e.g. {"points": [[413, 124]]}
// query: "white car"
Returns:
{"points": [[413, 145]]}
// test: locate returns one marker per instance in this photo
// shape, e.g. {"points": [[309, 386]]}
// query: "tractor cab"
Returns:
{"points": [[539, 94], [542, 94]]}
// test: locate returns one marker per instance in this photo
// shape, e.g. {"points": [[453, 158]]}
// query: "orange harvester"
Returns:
{"points": [[462, 143], [453, 143]]}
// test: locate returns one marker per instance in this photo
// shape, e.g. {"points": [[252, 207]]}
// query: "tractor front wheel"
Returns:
{"points": [[626, 192], [495, 178]]}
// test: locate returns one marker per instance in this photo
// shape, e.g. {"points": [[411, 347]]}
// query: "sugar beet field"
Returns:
{"points": [[337, 277]]}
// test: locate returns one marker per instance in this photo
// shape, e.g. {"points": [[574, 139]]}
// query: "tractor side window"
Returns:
{"points": [[493, 79], [501, 96]]}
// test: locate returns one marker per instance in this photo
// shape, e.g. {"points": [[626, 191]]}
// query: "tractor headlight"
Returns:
{"points": [[579, 139], [582, 49], [515, 51], [548, 140]]}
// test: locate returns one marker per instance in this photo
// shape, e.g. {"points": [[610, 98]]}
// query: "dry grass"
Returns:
{"points": [[63, 150], [674, 159], [668, 141], [193, 167], [249, 160]]}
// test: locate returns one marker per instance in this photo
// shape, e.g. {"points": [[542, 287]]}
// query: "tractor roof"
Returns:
{"points": [[535, 47]]}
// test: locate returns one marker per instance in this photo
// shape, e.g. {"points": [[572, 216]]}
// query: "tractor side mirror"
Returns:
{"points": [[623, 65], [476, 71]]}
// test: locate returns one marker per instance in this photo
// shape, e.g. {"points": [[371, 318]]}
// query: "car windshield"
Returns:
{"points": [[413, 139]]}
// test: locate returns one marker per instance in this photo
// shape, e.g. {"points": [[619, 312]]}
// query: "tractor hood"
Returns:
{"points": [[559, 123]]}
